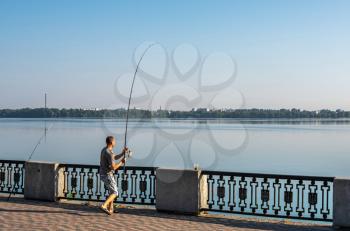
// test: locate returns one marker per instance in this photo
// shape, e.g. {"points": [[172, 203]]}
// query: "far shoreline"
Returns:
{"points": [[193, 114]]}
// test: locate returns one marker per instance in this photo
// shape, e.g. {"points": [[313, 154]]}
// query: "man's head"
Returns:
{"points": [[110, 141]]}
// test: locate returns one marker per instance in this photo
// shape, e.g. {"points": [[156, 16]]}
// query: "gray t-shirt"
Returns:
{"points": [[106, 160]]}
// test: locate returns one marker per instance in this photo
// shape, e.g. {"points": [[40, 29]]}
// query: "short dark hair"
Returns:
{"points": [[109, 139]]}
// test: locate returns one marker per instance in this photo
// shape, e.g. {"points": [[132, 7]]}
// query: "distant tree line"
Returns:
{"points": [[260, 114], [71, 113], [194, 113]]}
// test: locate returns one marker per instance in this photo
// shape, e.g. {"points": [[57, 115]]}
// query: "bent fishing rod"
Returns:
{"points": [[130, 95], [31, 155]]}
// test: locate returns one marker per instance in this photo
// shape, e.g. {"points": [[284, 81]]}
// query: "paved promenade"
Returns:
{"points": [[20, 214]]}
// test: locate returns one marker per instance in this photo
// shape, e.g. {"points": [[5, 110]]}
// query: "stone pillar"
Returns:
{"points": [[181, 191], [43, 181], [341, 202]]}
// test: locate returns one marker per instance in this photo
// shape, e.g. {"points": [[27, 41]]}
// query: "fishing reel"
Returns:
{"points": [[128, 153]]}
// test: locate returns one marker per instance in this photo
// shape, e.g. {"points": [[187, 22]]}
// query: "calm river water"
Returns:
{"points": [[299, 147]]}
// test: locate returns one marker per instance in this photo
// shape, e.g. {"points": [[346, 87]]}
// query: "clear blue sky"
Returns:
{"points": [[289, 53]]}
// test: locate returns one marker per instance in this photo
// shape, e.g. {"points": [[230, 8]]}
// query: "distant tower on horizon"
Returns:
{"points": [[45, 101], [45, 115]]}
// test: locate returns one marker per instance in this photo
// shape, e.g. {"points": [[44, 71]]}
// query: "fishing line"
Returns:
{"points": [[130, 95], [39, 141], [31, 155]]}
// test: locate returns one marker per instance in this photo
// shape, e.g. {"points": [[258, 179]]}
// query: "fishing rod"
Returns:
{"points": [[31, 154], [127, 112]]}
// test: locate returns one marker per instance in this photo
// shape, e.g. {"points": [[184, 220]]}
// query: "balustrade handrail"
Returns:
{"points": [[97, 167], [13, 161], [267, 175]]}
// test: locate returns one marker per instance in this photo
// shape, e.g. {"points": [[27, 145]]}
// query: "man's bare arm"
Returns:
{"points": [[116, 157], [116, 166]]}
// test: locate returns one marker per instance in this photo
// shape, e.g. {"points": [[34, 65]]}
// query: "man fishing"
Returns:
{"points": [[107, 169], [107, 164]]}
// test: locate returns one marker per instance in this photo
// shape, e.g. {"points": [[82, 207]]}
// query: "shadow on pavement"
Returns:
{"points": [[226, 221], [73, 209]]}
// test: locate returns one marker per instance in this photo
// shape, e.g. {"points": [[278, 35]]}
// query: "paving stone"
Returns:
{"points": [[20, 214]]}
